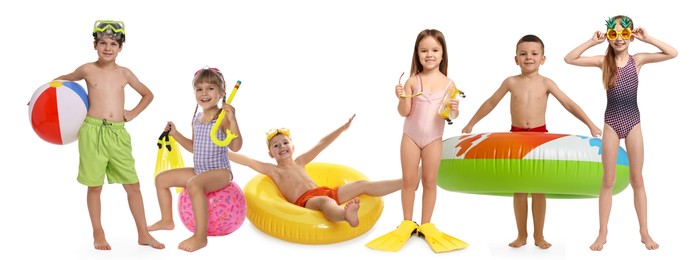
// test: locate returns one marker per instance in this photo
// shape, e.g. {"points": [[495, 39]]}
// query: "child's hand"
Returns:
{"points": [[127, 115], [230, 111], [595, 131], [171, 128], [467, 129], [454, 105], [598, 37], [399, 91], [347, 125], [640, 33]]}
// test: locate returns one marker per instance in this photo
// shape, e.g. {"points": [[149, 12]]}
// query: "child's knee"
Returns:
{"points": [[135, 187]]}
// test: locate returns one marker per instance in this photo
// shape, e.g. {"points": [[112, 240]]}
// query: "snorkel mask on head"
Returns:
{"points": [[113, 29], [625, 33]]}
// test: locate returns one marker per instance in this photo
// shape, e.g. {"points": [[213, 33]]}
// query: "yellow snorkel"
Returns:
{"points": [[213, 131]]}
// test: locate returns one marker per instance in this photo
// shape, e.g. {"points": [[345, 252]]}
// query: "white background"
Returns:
{"points": [[309, 66]]}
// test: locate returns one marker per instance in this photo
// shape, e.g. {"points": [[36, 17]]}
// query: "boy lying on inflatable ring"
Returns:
{"points": [[291, 178]]}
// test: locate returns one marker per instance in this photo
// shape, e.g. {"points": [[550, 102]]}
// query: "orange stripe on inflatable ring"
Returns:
{"points": [[485, 146]]}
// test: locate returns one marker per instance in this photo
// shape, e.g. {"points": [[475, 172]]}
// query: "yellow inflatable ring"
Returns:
{"points": [[268, 210]]}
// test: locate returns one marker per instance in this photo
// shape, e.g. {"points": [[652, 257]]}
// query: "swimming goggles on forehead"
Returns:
{"points": [[413, 95], [114, 28], [273, 132]]}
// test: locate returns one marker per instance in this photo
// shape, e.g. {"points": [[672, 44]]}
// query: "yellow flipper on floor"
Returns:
{"points": [[394, 240], [439, 241]]}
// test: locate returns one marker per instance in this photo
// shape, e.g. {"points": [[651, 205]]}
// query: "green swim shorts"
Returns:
{"points": [[105, 149]]}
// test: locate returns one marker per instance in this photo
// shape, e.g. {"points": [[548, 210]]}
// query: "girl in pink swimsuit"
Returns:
{"points": [[421, 144], [622, 121]]}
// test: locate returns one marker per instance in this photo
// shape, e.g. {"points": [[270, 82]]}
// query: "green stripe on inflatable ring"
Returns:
{"points": [[559, 165], [557, 179]]}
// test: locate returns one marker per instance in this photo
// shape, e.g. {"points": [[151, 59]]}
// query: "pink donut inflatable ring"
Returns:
{"points": [[226, 210], [559, 165]]}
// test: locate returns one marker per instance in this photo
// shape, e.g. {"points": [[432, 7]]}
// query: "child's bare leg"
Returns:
{"points": [[635, 152], [163, 184], [94, 208], [165, 209], [521, 216], [197, 187], [137, 208], [351, 209], [335, 212], [352, 190], [199, 239], [609, 145], [410, 161], [538, 211], [431, 158]]}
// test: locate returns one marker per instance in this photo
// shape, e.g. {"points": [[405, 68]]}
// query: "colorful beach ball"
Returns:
{"points": [[226, 210], [57, 110]]}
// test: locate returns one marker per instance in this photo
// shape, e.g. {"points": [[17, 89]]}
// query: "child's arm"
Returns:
{"points": [[404, 103], [76, 75], [667, 52], [572, 108], [144, 92], [323, 143], [260, 167], [232, 125], [575, 58], [454, 104], [185, 142], [487, 106]]}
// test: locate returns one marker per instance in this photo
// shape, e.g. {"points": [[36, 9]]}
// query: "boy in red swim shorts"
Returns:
{"points": [[529, 100], [291, 178]]}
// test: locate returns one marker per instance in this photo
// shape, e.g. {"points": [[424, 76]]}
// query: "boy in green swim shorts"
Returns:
{"points": [[103, 142]]}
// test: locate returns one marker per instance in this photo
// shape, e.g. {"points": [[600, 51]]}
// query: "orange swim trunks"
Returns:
{"points": [[319, 191]]}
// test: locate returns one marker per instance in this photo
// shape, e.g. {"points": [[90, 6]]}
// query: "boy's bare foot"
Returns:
{"points": [[540, 242], [193, 243], [161, 225], [148, 240], [101, 245], [351, 209], [649, 242], [100, 241], [598, 244], [519, 242]]}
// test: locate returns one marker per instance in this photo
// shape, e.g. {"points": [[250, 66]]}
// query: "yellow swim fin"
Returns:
{"points": [[438, 240], [168, 155], [394, 240]]}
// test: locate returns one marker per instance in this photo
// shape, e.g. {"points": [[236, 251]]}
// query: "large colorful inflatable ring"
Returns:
{"points": [[559, 165], [268, 210]]}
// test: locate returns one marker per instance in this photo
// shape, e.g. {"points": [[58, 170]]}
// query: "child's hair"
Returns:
{"points": [[531, 38], [439, 37], [210, 76], [609, 67], [120, 37]]}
